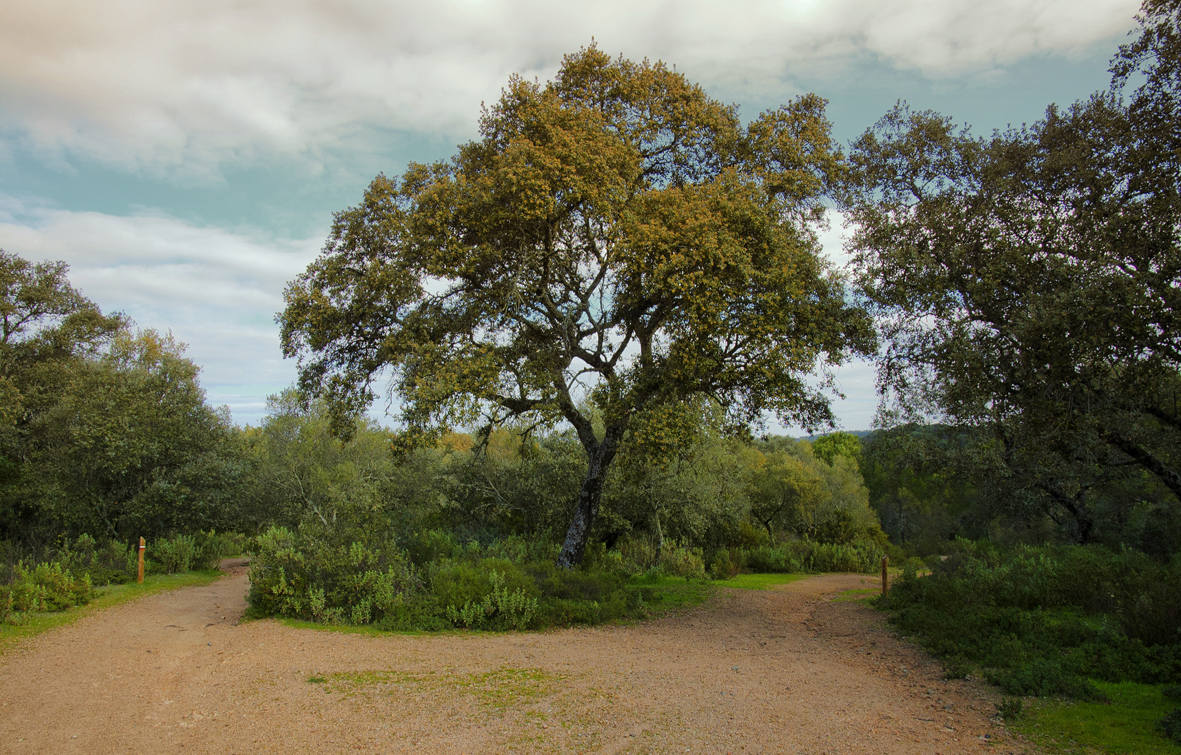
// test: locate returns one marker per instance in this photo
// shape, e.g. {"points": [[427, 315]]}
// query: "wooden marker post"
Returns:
{"points": [[885, 577], [140, 578]]}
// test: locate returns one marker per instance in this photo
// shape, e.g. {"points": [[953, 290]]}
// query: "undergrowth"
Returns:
{"points": [[1069, 622]]}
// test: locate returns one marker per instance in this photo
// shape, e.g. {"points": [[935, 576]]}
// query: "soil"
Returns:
{"points": [[793, 669]]}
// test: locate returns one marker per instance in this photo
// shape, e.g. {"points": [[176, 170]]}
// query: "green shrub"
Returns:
{"points": [[862, 556], [172, 555], [47, 587], [319, 576], [114, 562], [456, 583], [432, 545], [1170, 725], [1046, 621], [769, 560], [679, 561], [637, 555], [1010, 708], [725, 563], [501, 608], [209, 548]]}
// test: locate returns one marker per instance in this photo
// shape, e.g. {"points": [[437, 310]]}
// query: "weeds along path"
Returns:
{"points": [[787, 670]]}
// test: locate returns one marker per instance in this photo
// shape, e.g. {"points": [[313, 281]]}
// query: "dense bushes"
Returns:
{"points": [[430, 581], [44, 587], [798, 556], [1042, 621]]}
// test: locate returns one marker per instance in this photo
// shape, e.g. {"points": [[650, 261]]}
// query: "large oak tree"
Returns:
{"points": [[614, 239], [1031, 282]]}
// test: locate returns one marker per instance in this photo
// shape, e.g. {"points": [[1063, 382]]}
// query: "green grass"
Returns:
{"points": [[663, 593], [32, 624], [862, 594], [1126, 725], [760, 581], [365, 629], [496, 690]]}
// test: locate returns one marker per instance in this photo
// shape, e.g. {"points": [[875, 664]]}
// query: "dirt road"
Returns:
{"points": [[788, 670]]}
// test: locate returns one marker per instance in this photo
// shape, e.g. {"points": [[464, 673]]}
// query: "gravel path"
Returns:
{"points": [[787, 670]]}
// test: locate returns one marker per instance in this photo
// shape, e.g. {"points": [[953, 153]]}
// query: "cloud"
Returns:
{"points": [[179, 89], [216, 289]]}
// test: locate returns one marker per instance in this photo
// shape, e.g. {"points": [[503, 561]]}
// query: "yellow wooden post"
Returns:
{"points": [[142, 545], [885, 577]]}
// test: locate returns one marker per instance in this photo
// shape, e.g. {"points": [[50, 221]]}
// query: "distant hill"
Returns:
{"points": [[858, 433]]}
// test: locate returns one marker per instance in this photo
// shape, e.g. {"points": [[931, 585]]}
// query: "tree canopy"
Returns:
{"points": [[1031, 281], [615, 237], [102, 430]]}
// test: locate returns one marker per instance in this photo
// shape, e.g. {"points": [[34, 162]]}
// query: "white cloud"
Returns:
{"points": [[180, 88], [216, 289]]}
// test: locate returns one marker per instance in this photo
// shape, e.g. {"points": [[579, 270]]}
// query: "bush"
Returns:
{"points": [[1010, 708], [1046, 621], [455, 584], [112, 563], [769, 560], [316, 574], [320, 575], [679, 561], [172, 556], [861, 556], [725, 563], [46, 587], [501, 608], [1170, 725]]}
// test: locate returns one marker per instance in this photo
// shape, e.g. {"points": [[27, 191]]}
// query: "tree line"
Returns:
{"points": [[626, 280]]}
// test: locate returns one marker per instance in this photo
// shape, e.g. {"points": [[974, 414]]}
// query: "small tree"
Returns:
{"points": [[616, 240]]}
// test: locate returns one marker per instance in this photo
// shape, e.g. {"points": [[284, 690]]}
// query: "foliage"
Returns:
{"points": [[791, 491], [1042, 621], [828, 447], [45, 587], [1170, 725], [615, 242], [1028, 282], [499, 609], [299, 469], [327, 576]]}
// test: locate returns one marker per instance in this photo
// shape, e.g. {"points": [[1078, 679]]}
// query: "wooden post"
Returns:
{"points": [[142, 545], [885, 576]]}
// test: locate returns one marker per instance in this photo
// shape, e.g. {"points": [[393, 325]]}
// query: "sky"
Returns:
{"points": [[185, 158]]}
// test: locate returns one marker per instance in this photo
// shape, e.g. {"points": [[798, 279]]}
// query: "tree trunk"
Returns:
{"points": [[1086, 527], [659, 533], [599, 455]]}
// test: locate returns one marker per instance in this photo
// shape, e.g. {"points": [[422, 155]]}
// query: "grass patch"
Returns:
{"points": [[860, 595], [365, 629], [760, 581], [662, 594], [1125, 725], [496, 690], [33, 624], [506, 687]]}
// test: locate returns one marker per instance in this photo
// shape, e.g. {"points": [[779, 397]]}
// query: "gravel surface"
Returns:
{"points": [[786, 670]]}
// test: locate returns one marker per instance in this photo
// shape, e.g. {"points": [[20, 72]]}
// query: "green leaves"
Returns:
{"points": [[613, 236], [1030, 281]]}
